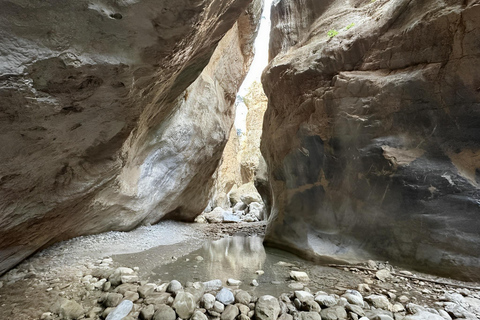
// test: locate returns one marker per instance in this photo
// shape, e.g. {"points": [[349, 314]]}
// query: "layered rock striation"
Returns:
{"points": [[113, 114], [372, 135]]}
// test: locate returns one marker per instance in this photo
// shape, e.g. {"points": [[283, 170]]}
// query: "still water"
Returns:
{"points": [[239, 258]]}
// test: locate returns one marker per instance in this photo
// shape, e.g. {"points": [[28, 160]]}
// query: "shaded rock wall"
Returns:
{"points": [[102, 126], [372, 132]]}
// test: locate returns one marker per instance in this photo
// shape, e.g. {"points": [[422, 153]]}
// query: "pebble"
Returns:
{"points": [[267, 308], [254, 283], [233, 282], [121, 311], [225, 296], [208, 300], [174, 287], [184, 304], [164, 312], [383, 275], [243, 297], [230, 313], [299, 276], [213, 285]]}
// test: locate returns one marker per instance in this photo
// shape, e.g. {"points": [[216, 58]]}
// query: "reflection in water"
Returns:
{"points": [[236, 257], [233, 256]]}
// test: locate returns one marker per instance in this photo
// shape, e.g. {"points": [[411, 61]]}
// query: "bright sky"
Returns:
{"points": [[259, 63]]}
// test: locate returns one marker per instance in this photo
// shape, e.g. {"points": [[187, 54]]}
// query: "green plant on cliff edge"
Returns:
{"points": [[332, 33], [350, 26]]}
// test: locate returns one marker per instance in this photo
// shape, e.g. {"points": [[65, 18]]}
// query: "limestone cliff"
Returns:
{"points": [[107, 120], [371, 135], [241, 156]]}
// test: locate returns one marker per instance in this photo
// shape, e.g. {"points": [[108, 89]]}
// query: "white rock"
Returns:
{"points": [[213, 285], [208, 301], [299, 276], [303, 295], [354, 297], [121, 311], [225, 296], [233, 282]]}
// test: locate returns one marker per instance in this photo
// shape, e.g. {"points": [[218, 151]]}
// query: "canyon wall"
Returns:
{"points": [[242, 157], [113, 114], [372, 132]]}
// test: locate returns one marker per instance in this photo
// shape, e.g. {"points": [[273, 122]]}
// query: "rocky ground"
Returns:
{"points": [[78, 279]]}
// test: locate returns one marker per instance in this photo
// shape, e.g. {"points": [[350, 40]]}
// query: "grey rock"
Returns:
{"points": [[225, 296], [123, 288], [218, 307], [121, 311], [267, 308], [184, 304], [132, 296], [113, 299], [146, 289], [304, 315], [303, 295], [197, 315], [243, 297], [355, 309], [147, 312], [121, 275], [174, 286], [325, 300], [285, 316], [382, 317], [379, 301], [333, 313], [354, 297], [230, 312], [158, 298], [165, 312], [208, 300], [106, 286], [68, 309], [243, 309], [383, 274], [213, 285]]}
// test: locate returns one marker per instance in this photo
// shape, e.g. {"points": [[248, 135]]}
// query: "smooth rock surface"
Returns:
{"points": [[371, 133], [267, 308], [121, 311], [113, 115]]}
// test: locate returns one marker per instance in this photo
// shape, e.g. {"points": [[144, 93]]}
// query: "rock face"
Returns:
{"points": [[241, 157], [106, 118], [371, 135]]}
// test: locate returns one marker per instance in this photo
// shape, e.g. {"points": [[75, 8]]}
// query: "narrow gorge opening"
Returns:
{"points": [[235, 196]]}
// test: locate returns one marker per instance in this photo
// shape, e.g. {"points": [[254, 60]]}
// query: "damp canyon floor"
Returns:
{"points": [[187, 253]]}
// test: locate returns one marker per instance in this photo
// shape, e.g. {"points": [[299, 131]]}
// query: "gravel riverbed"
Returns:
{"points": [[199, 271]]}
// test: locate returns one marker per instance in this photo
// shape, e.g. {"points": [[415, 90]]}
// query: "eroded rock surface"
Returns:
{"points": [[371, 135], [106, 118]]}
